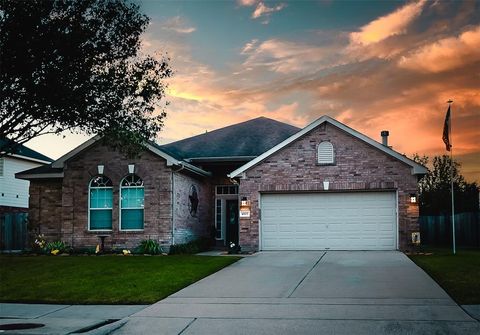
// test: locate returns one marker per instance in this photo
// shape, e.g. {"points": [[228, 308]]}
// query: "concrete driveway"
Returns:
{"points": [[332, 292]]}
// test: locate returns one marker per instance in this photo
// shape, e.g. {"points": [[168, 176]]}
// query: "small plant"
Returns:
{"points": [[57, 246], [233, 248], [126, 252], [40, 241], [151, 247]]}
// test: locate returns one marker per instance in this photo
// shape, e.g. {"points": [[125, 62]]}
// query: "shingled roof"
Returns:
{"points": [[247, 139], [21, 151]]}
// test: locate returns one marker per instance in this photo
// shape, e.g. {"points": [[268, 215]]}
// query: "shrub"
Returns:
{"points": [[56, 245], [192, 247], [151, 247]]}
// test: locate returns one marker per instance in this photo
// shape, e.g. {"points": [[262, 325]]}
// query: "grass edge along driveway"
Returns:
{"points": [[101, 279], [458, 274]]}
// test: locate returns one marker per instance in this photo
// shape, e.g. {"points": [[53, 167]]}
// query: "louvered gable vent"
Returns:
{"points": [[325, 153]]}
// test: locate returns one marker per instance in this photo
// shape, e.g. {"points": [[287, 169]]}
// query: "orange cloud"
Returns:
{"points": [[362, 80], [389, 25], [445, 54]]}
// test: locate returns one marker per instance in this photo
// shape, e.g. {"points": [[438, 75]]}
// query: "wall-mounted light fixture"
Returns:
{"points": [[413, 198], [244, 208], [131, 168], [100, 169], [326, 185]]}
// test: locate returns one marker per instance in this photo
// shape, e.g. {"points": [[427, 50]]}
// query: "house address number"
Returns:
{"points": [[245, 213]]}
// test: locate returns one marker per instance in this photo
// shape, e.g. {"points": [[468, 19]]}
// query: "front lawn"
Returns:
{"points": [[101, 279], [458, 274]]}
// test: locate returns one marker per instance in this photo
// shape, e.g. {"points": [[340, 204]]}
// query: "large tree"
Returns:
{"points": [[435, 188], [76, 65]]}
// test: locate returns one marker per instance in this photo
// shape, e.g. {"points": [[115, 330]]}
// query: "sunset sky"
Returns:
{"points": [[380, 65]]}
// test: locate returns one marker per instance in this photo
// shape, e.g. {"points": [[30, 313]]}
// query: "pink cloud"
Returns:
{"points": [[445, 54], [263, 10], [391, 24], [247, 2], [250, 46]]}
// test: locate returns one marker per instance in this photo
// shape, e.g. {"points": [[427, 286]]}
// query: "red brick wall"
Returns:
{"points": [[358, 166], [45, 208], [60, 207], [188, 226], [157, 182]]}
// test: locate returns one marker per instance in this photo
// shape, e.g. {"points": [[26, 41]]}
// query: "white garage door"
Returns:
{"points": [[335, 221]]}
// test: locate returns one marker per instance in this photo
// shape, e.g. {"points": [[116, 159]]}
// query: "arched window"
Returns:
{"points": [[100, 203], [325, 153], [131, 203]]}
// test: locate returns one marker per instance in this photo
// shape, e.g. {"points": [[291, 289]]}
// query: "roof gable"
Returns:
{"points": [[153, 147], [247, 139], [416, 168]]}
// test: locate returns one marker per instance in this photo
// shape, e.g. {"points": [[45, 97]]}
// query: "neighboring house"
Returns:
{"points": [[14, 192], [325, 186]]}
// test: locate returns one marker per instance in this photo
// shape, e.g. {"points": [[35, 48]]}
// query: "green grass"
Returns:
{"points": [[458, 274], [101, 279]]}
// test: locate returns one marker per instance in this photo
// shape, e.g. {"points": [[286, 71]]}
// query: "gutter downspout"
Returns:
{"points": [[173, 200]]}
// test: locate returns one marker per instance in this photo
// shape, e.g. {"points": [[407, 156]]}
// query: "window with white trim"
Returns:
{"points": [[132, 199], [226, 189], [100, 203], [325, 153]]}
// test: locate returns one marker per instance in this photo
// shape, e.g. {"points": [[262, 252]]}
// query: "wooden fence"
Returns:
{"points": [[13, 231], [437, 230]]}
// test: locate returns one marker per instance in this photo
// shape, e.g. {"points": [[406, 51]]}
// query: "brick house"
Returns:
{"points": [[262, 184]]}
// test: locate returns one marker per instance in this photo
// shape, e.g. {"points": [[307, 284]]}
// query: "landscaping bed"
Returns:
{"points": [[107, 279], [458, 274]]}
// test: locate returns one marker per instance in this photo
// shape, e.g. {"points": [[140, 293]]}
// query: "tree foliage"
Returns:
{"points": [[76, 65], [435, 188]]}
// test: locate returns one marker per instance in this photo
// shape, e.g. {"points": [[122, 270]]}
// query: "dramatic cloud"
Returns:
{"points": [[445, 54], [395, 73], [178, 25], [389, 25]]}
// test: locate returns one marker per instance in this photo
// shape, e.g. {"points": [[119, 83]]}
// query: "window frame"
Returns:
{"points": [[333, 161], [220, 219], [99, 209], [120, 207]]}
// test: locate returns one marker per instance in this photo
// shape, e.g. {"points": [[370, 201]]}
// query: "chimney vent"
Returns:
{"points": [[385, 134]]}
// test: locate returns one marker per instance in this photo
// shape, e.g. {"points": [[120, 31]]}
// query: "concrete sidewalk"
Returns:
{"points": [[309, 293], [63, 319]]}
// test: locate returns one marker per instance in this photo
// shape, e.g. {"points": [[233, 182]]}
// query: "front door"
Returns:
{"points": [[232, 222]]}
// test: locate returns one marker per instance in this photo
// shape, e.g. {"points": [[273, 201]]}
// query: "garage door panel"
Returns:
{"points": [[317, 221]]}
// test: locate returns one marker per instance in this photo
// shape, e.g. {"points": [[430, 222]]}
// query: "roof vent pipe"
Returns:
{"points": [[385, 134]]}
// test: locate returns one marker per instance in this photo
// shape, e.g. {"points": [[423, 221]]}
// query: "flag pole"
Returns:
{"points": [[451, 177]]}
